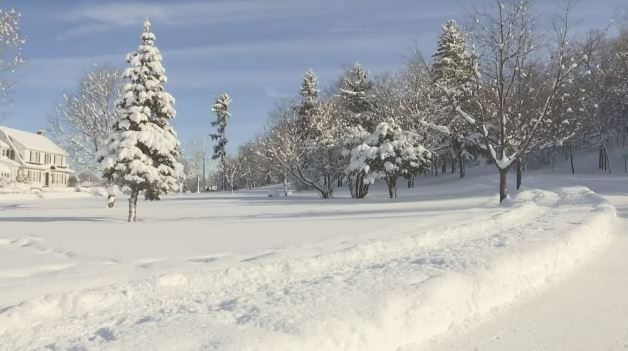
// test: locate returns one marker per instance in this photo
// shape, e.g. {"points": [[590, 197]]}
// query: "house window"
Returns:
{"points": [[58, 160], [58, 178], [47, 159], [34, 176], [35, 157]]}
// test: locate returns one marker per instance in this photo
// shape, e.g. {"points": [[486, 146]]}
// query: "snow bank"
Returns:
{"points": [[464, 288], [381, 294], [18, 192], [15, 188]]}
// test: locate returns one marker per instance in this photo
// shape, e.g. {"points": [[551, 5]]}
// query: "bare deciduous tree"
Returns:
{"points": [[85, 118], [194, 161], [11, 43], [512, 102]]}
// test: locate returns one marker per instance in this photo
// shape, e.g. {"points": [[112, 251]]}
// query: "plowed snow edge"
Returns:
{"points": [[378, 295]]}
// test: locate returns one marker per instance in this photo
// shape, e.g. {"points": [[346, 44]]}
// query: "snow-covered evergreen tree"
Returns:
{"points": [[358, 103], [221, 109], [453, 73], [143, 153], [357, 96], [308, 106], [388, 153], [309, 89]]}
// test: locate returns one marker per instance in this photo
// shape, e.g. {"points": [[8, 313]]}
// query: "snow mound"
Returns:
{"points": [[383, 294], [19, 192]]}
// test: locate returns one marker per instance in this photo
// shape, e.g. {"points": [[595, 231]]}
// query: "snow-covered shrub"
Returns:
{"points": [[388, 153], [22, 179], [4, 181], [13, 187]]}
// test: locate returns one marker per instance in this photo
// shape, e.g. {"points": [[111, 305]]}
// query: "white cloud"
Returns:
{"points": [[274, 93], [108, 16]]}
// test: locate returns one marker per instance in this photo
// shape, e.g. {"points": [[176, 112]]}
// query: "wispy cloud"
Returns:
{"points": [[108, 16], [274, 93]]}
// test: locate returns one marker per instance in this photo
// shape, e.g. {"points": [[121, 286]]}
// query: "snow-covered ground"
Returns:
{"points": [[248, 272], [585, 311]]}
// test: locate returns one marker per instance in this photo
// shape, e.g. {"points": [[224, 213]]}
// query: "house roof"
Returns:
{"points": [[32, 141], [4, 145]]}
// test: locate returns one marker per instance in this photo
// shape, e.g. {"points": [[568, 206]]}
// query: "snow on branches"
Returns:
{"points": [[388, 153], [143, 152], [83, 121], [11, 42], [221, 109]]}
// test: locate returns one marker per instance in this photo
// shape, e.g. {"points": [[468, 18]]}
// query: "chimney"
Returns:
{"points": [[40, 132]]}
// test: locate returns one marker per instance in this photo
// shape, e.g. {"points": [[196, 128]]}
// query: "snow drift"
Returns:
{"points": [[380, 294]]}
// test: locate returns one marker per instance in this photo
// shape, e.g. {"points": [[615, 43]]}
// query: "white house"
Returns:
{"points": [[32, 156]]}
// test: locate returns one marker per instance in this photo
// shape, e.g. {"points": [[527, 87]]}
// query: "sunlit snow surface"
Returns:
{"points": [[249, 272]]}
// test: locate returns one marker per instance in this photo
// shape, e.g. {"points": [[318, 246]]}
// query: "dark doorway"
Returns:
{"points": [[47, 179]]}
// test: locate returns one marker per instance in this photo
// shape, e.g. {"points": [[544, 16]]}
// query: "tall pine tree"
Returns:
{"points": [[453, 76], [143, 151], [356, 92], [308, 106], [359, 103], [221, 109]]}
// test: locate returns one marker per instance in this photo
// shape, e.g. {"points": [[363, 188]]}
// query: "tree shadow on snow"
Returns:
{"points": [[362, 214], [53, 219]]}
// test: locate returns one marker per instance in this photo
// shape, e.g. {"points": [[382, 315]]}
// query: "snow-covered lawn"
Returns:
{"points": [[248, 272]]}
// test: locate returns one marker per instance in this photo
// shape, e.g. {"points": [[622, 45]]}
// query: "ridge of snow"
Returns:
{"points": [[381, 294]]}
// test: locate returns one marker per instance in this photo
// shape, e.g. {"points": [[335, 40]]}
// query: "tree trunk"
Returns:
{"points": [[608, 161], [573, 169], [391, 181], [519, 173], [133, 205], [357, 187], [503, 184], [328, 187], [444, 169], [461, 165]]}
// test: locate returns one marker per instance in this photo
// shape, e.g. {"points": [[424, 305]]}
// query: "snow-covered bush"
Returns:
{"points": [[4, 181], [14, 187], [388, 153]]}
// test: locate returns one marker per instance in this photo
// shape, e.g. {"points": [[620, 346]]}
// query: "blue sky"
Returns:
{"points": [[256, 50]]}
